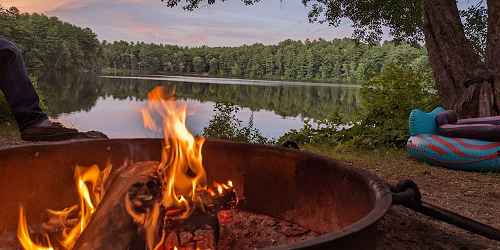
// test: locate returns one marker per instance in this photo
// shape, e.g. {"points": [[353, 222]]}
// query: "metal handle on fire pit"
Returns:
{"points": [[407, 194]]}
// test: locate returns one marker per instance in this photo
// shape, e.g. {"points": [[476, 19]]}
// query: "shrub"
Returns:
{"points": [[324, 131], [387, 100], [225, 125]]}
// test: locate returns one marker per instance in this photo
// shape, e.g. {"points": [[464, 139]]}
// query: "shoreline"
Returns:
{"points": [[230, 81]]}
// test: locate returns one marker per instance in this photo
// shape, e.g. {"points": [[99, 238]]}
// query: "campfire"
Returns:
{"points": [[168, 201], [286, 199], [182, 192]]}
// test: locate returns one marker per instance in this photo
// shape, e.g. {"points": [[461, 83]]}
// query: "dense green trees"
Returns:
{"points": [[318, 60], [50, 44]]}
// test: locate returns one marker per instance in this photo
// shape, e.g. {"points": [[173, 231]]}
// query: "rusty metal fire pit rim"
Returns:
{"points": [[383, 202], [50, 143], [382, 194]]}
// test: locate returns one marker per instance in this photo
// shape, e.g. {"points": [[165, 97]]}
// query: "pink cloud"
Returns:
{"points": [[45, 6], [34, 5]]}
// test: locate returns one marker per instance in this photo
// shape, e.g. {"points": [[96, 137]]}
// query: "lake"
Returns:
{"points": [[112, 104]]}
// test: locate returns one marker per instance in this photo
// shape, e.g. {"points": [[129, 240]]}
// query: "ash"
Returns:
{"points": [[239, 230], [244, 230]]}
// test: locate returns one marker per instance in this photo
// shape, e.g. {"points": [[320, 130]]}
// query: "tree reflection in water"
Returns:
{"points": [[69, 93], [65, 93]]}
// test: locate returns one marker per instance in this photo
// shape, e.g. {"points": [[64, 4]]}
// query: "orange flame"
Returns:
{"points": [[85, 177], [181, 165], [24, 236], [180, 169]]}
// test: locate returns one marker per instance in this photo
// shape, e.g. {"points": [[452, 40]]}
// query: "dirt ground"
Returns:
{"points": [[474, 195]]}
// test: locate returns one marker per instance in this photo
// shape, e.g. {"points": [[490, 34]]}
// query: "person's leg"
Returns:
{"points": [[17, 87], [25, 104]]}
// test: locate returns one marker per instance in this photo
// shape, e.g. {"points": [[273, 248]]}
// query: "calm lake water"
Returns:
{"points": [[112, 105]]}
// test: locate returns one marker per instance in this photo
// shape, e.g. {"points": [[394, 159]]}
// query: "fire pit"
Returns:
{"points": [[338, 203], [180, 193]]}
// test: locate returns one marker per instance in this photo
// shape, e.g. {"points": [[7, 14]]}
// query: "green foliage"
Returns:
{"points": [[329, 61], [42, 98], [50, 44], [325, 131], [476, 27], [403, 19], [387, 100], [225, 125]]}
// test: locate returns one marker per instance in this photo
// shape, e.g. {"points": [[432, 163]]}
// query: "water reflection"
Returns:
{"points": [[110, 105]]}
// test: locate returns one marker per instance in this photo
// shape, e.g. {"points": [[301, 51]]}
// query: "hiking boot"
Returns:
{"points": [[55, 131]]}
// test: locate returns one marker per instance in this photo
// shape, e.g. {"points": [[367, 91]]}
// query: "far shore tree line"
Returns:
{"points": [[49, 44], [320, 60]]}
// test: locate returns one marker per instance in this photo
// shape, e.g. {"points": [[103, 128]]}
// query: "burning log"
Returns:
{"points": [[197, 230], [111, 227], [132, 203]]}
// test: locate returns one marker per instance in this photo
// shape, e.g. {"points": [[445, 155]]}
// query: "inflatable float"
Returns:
{"points": [[439, 138]]}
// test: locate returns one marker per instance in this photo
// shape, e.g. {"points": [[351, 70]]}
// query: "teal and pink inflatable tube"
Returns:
{"points": [[455, 153]]}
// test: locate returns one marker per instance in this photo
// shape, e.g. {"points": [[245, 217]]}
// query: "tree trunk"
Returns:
{"points": [[493, 46], [464, 82]]}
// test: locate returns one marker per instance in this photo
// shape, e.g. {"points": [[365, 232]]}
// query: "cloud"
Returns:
{"points": [[34, 5], [224, 24], [45, 6]]}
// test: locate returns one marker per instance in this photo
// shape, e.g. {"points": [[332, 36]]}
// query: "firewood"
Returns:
{"points": [[111, 227], [132, 192]]}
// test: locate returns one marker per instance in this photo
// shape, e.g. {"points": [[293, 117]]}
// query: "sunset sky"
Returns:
{"points": [[223, 24]]}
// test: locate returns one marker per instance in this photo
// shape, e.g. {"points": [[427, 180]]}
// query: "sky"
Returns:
{"points": [[222, 24]]}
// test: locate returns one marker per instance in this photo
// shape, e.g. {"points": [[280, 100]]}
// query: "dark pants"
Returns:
{"points": [[17, 87]]}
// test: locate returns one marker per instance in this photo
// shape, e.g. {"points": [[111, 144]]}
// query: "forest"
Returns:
{"points": [[317, 60], [49, 44]]}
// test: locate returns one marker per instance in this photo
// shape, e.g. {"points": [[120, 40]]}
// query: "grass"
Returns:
{"points": [[471, 194], [394, 164], [388, 163]]}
